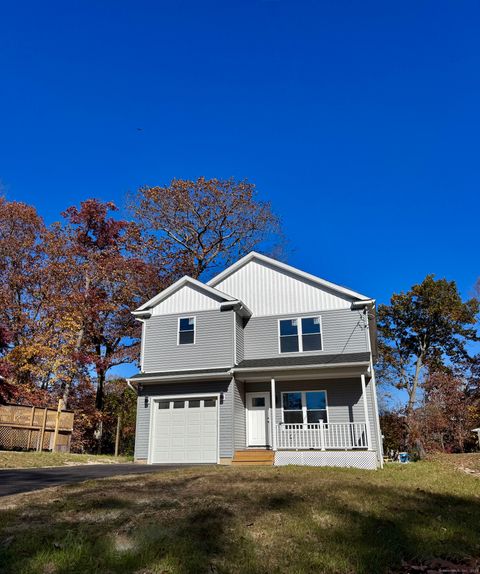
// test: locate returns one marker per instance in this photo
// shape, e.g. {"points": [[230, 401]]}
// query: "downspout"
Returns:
{"points": [[129, 384], [373, 382], [234, 338]]}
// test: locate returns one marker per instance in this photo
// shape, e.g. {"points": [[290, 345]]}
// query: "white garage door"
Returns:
{"points": [[185, 430]]}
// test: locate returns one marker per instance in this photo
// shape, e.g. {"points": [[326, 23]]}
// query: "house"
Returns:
{"points": [[263, 363]]}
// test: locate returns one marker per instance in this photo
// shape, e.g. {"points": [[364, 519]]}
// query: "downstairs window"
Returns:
{"points": [[304, 407]]}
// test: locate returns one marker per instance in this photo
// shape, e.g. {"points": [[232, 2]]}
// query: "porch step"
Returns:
{"points": [[253, 457]]}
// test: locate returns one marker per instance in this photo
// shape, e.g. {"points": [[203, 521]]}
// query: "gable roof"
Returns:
{"points": [[284, 267], [186, 280]]}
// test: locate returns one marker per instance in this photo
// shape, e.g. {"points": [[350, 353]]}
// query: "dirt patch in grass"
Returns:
{"points": [[466, 462], [12, 459], [253, 520]]}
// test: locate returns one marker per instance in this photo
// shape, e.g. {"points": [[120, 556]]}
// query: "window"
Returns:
{"points": [[292, 408], [194, 404], [209, 403], [163, 404], [304, 407], [258, 402], [316, 403], [311, 336], [178, 404], [300, 335], [289, 335], [186, 330]]}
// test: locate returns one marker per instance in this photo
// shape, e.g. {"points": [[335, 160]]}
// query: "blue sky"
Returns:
{"points": [[359, 121]]}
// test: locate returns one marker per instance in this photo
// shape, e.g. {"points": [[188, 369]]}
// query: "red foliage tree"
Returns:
{"points": [[102, 261]]}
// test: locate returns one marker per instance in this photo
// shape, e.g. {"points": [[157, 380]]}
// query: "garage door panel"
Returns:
{"points": [[183, 433]]}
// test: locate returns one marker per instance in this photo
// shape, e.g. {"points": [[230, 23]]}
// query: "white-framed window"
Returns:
{"points": [[300, 334], [304, 407], [186, 331]]}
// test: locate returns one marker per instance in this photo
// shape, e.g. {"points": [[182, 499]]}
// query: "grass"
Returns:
{"points": [[12, 459], [468, 462], [252, 520]]}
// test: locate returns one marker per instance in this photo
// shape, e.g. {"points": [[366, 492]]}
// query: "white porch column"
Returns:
{"points": [[274, 415], [365, 408]]}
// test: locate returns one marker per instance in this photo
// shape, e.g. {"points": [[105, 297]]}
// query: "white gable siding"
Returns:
{"points": [[187, 299], [269, 291]]}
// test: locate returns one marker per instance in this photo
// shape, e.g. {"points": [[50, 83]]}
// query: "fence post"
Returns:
{"points": [[117, 436], [29, 436], [57, 424], [42, 431], [322, 435]]}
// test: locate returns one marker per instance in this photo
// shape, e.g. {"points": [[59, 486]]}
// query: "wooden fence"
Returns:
{"points": [[35, 428]]}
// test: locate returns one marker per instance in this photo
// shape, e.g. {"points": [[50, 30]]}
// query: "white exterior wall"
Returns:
{"points": [[186, 300], [268, 291]]}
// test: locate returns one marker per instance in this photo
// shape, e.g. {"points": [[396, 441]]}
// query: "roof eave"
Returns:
{"points": [[178, 285], [300, 367], [188, 376]]}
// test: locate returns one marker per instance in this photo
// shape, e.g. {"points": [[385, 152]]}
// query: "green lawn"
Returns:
{"points": [[254, 520], [12, 459]]}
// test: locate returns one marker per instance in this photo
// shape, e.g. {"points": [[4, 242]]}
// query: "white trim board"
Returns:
{"points": [[178, 285]]}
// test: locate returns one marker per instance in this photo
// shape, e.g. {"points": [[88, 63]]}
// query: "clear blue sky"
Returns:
{"points": [[360, 121]]}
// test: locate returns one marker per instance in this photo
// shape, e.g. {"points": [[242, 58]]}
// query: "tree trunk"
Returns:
{"points": [[412, 396], [101, 375], [76, 350]]}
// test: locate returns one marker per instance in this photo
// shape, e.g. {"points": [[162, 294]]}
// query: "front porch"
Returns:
{"points": [[308, 420], [321, 436]]}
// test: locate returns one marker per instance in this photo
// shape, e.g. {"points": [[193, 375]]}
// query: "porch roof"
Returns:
{"points": [[168, 376], [308, 360]]}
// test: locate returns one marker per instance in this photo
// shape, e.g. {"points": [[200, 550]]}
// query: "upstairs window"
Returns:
{"points": [[300, 335], [289, 336], [311, 335], [186, 330]]}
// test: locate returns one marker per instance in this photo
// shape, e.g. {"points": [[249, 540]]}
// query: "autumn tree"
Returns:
{"points": [[24, 295], [427, 327], [448, 411], [107, 277], [6, 388], [119, 415], [205, 224]]}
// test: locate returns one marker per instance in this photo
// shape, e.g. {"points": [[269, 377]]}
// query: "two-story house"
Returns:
{"points": [[264, 363]]}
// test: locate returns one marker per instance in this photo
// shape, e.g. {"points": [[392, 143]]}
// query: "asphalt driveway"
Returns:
{"points": [[26, 479]]}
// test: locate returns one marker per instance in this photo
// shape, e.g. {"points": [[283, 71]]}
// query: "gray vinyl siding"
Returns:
{"points": [[343, 331], [154, 390], [213, 342], [239, 414], [239, 338], [142, 429], [344, 400]]}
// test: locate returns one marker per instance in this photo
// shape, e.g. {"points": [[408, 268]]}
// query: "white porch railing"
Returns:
{"points": [[322, 436]]}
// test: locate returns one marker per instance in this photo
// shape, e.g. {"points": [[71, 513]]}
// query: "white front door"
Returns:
{"points": [[258, 419]]}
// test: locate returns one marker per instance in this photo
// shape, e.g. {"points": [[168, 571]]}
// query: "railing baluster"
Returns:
{"points": [[321, 436]]}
